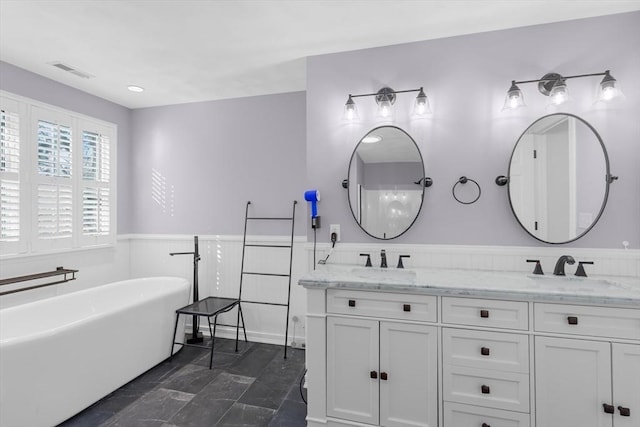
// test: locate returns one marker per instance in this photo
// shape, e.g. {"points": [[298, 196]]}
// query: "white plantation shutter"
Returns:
{"points": [[96, 183], [11, 235], [53, 191]]}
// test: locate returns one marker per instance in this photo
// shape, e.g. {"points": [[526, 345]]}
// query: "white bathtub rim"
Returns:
{"points": [[6, 342]]}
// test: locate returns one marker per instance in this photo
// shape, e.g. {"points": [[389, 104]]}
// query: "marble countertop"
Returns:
{"points": [[490, 284]]}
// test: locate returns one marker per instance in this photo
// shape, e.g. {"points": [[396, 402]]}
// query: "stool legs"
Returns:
{"points": [[173, 341]]}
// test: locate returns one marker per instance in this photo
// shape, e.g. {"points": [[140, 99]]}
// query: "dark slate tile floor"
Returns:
{"points": [[254, 387]]}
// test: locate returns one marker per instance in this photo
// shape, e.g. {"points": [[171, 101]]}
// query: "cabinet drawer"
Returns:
{"points": [[481, 312], [585, 320], [457, 415], [486, 350], [495, 389], [383, 305]]}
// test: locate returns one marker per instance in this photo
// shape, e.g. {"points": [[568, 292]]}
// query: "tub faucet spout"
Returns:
{"points": [[383, 259], [559, 268]]}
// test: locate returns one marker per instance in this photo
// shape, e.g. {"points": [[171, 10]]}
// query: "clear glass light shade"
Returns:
{"points": [[385, 108], [350, 110], [559, 93], [514, 98], [609, 89], [421, 107]]}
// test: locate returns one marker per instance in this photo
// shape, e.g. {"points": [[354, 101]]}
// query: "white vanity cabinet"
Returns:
{"points": [[381, 371], [405, 354], [584, 378]]}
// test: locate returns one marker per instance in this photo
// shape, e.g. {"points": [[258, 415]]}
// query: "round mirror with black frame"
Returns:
{"points": [[386, 182], [559, 178]]}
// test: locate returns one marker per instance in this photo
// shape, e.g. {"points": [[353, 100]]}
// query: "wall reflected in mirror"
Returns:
{"points": [[385, 182], [558, 178]]}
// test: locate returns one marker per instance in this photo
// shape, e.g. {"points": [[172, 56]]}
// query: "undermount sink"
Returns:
{"points": [[384, 274], [574, 281]]}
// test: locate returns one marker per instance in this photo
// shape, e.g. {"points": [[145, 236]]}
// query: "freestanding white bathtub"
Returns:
{"points": [[60, 355]]}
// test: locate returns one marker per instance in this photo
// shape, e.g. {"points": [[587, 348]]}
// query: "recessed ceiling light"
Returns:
{"points": [[134, 88]]}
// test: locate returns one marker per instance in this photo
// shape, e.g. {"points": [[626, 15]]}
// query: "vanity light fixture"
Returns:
{"points": [[385, 98], [555, 87]]}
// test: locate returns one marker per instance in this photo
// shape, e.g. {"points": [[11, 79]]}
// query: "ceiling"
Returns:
{"points": [[195, 50]]}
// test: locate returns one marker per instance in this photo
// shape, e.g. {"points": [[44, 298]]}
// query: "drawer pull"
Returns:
{"points": [[572, 320], [352, 303], [486, 425], [625, 412], [485, 389], [406, 307], [608, 409], [383, 376], [484, 313], [373, 375], [485, 351]]}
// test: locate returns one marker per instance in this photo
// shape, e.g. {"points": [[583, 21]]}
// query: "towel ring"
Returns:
{"points": [[464, 180]]}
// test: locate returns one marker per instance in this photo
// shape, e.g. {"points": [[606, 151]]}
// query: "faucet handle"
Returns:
{"points": [[400, 264], [580, 271], [368, 264], [538, 268]]}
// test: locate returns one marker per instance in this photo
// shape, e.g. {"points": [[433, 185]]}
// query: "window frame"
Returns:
{"points": [[31, 112]]}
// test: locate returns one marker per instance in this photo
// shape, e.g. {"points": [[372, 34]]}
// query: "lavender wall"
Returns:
{"points": [[196, 165], [21, 82], [466, 79]]}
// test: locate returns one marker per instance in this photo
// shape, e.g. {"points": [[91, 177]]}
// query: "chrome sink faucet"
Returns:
{"points": [[559, 268], [383, 259]]}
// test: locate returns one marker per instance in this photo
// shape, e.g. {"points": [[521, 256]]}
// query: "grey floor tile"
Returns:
{"points": [[290, 414], [154, 408], [241, 415], [191, 378], [213, 401], [88, 417], [253, 362]]}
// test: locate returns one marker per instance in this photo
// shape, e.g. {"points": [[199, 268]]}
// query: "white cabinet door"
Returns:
{"points": [[626, 384], [352, 369], [573, 381], [408, 375]]}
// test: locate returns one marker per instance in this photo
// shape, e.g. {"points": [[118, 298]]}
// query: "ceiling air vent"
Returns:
{"points": [[69, 69]]}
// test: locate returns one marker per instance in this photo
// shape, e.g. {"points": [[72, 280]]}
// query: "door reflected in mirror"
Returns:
{"points": [[385, 182], [558, 178]]}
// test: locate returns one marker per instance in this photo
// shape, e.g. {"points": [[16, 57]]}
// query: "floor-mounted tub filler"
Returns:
{"points": [[60, 355]]}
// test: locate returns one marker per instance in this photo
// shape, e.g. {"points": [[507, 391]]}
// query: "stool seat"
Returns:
{"points": [[208, 307]]}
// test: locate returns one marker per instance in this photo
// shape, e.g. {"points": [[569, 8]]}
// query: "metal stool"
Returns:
{"points": [[208, 307]]}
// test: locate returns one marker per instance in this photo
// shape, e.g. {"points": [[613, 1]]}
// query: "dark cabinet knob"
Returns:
{"points": [[373, 375], [383, 376], [485, 389], [625, 412], [608, 409], [484, 313], [352, 303], [486, 425], [485, 351], [406, 307], [572, 320]]}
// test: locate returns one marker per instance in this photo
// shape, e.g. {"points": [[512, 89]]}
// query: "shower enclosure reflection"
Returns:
{"points": [[386, 182]]}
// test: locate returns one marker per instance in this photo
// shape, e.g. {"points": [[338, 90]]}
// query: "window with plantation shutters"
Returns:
{"points": [[10, 222], [57, 187]]}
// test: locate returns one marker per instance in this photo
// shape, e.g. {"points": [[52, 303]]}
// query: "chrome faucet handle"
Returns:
{"points": [[538, 268], [400, 264], [368, 264], [580, 271]]}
